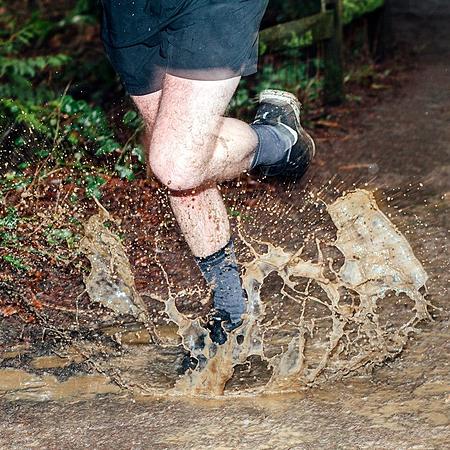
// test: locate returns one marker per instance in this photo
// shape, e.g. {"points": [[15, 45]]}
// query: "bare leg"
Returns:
{"points": [[203, 219], [193, 147], [148, 106], [193, 144]]}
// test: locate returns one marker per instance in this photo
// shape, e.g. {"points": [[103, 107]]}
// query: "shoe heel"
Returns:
{"points": [[281, 97]]}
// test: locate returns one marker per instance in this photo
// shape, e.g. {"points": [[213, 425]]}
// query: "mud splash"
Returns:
{"points": [[348, 333], [332, 308], [336, 326], [110, 281]]}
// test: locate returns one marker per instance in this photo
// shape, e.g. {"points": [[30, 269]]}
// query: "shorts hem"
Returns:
{"points": [[211, 74], [139, 91], [136, 92]]}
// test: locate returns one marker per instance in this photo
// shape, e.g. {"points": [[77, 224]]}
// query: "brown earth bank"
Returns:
{"points": [[47, 285], [397, 143]]}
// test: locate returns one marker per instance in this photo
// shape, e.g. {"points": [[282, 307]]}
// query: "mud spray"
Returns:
{"points": [[335, 324]]}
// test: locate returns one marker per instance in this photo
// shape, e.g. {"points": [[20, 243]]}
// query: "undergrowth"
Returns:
{"points": [[56, 91], [42, 117]]}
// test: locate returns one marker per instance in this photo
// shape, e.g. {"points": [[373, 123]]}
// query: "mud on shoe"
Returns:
{"points": [[282, 109], [219, 325]]}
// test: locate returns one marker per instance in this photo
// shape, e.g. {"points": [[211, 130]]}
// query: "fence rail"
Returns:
{"points": [[326, 27]]}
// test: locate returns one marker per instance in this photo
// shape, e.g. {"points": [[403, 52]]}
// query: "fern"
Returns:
{"points": [[18, 38], [32, 110], [29, 115], [352, 9], [30, 67]]}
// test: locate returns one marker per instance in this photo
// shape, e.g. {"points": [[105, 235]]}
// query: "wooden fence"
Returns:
{"points": [[325, 27]]}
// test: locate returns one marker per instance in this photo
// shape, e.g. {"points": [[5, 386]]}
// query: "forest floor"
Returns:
{"points": [[398, 144]]}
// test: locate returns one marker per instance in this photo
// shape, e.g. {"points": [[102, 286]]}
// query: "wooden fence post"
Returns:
{"points": [[333, 58], [384, 37]]}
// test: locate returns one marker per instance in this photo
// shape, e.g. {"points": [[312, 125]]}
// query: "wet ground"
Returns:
{"points": [[401, 146]]}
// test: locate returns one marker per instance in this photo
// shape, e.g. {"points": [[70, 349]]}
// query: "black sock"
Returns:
{"points": [[273, 143], [221, 272]]}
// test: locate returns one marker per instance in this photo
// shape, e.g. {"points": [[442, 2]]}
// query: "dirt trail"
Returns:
{"points": [[405, 142]]}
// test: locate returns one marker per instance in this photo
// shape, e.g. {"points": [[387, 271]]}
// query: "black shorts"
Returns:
{"points": [[196, 39]]}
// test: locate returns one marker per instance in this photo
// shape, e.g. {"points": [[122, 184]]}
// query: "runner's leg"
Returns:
{"points": [[192, 146], [190, 143], [148, 106]]}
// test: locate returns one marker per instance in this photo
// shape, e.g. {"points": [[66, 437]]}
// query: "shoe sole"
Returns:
{"points": [[283, 97]]}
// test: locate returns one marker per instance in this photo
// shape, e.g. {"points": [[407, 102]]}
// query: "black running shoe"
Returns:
{"points": [[219, 325], [283, 107], [190, 362]]}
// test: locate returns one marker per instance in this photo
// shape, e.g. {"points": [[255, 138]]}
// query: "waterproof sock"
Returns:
{"points": [[221, 272], [273, 143]]}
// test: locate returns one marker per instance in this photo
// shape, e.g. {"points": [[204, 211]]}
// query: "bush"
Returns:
{"points": [[39, 116], [352, 9]]}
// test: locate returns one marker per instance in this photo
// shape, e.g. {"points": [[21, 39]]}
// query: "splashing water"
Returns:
{"points": [[336, 323], [110, 281]]}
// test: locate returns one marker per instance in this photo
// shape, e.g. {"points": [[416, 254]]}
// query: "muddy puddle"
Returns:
{"points": [[325, 311], [331, 308]]}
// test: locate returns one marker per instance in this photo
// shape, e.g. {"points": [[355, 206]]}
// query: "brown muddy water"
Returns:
{"points": [[330, 308], [303, 373], [320, 319], [346, 344]]}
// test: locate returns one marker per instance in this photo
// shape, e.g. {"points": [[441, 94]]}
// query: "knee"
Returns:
{"points": [[178, 174]]}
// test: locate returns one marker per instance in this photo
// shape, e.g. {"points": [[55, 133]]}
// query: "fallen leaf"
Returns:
{"points": [[36, 303], [328, 123], [7, 311], [378, 86]]}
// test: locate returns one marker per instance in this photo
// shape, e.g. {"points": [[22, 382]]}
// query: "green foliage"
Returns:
{"points": [[125, 171], [46, 109], [138, 152], [58, 236], [360, 74], [15, 37], [84, 122], [241, 97], [83, 12], [20, 70], [17, 69], [15, 262], [8, 225], [34, 104], [352, 9], [93, 184], [293, 77], [13, 180], [10, 220], [133, 120]]}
